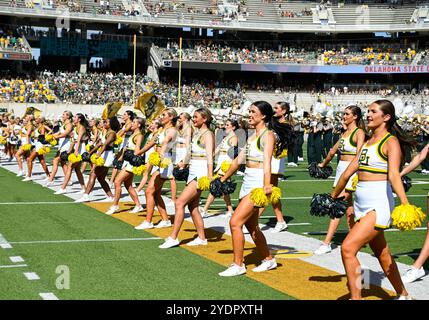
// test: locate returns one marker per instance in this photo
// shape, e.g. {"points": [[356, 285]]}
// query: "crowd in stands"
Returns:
{"points": [[223, 52], [292, 14], [9, 41], [25, 91]]}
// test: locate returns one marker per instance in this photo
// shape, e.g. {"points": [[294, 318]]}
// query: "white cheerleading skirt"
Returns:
{"points": [[253, 178], [220, 159], [164, 173], [197, 169], [374, 196], [82, 148], [278, 166], [342, 166], [148, 153], [38, 145], [180, 155], [24, 141], [64, 144], [108, 157], [124, 142]]}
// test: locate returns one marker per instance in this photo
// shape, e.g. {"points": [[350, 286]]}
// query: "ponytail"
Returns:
{"points": [[285, 136]]}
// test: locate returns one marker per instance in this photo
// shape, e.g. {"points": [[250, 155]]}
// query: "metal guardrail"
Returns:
{"points": [[234, 25]]}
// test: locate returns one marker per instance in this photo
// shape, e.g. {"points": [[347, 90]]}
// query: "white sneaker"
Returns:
{"points": [[280, 226], [228, 214], [163, 224], [27, 179], [109, 199], [403, 298], [169, 243], [60, 191], [233, 270], [113, 209], [266, 265], [204, 213], [144, 225], [324, 248], [81, 191], [84, 198], [137, 209], [20, 174], [49, 183], [70, 183], [413, 274], [300, 159], [197, 242]]}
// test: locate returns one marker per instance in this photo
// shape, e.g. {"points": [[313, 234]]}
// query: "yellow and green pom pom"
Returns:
{"points": [[44, 150], [138, 171], [74, 158], [53, 142], [118, 140], [96, 160], [259, 198], [49, 138], [203, 183], [3, 140], [165, 163], [282, 155], [154, 159], [26, 147], [407, 217], [225, 165], [276, 194], [88, 147]]}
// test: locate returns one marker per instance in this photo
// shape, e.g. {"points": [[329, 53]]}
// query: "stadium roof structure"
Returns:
{"points": [[348, 19]]}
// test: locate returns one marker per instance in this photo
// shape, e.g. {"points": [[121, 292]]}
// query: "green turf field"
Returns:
{"points": [[137, 269]]}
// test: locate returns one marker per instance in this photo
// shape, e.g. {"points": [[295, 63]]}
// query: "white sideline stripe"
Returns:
{"points": [[16, 259], [31, 276], [85, 240], [3, 243], [13, 266], [25, 203], [345, 231], [48, 296], [396, 230]]}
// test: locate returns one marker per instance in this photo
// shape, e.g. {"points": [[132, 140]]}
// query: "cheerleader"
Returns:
{"points": [[378, 171], [104, 150], [125, 133], [153, 127], [348, 146], [13, 137], [25, 139], [126, 175], [257, 174], [96, 132], [416, 271], [64, 141], [165, 141], [184, 134], [201, 165], [39, 142], [229, 142], [282, 113], [77, 147]]}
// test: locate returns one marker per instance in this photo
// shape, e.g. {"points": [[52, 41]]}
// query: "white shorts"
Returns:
{"points": [[180, 155], [342, 166], [39, 146], [222, 158], [64, 145], [127, 166], [374, 196], [108, 157], [197, 169], [278, 166], [253, 178]]}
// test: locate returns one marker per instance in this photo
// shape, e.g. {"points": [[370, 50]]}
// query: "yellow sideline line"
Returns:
{"points": [[296, 278]]}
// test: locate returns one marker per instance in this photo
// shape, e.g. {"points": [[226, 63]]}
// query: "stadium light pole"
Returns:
{"points": [[180, 73], [134, 70]]}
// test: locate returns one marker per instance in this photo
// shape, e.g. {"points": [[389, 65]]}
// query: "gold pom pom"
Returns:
{"points": [[53, 142], [26, 147], [276, 194], [96, 160], [118, 140], [282, 155], [138, 171], [49, 138], [154, 159], [3, 140], [74, 158], [88, 147], [203, 183], [225, 165], [44, 150], [165, 163], [407, 217], [259, 198]]}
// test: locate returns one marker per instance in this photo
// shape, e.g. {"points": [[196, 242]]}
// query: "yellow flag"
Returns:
{"points": [[34, 111], [111, 109], [150, 106]]}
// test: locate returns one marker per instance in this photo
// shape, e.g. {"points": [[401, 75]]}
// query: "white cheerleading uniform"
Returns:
{"points": [[223, 153], [198, 163], [125, 139], [14, 136], [165, 173], [253, 177], [346, 147], [37, 143], [23, 136], [108, 155], [374, 195], [131, 145], [181, 152], [82, 145], [64, 143], [149, 152]]}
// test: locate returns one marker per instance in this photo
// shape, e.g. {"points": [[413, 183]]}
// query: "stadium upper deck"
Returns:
{"points": [[263, 15]]}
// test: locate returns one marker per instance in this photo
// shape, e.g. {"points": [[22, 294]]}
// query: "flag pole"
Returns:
{"points": [[134, 71], [180, 73]]}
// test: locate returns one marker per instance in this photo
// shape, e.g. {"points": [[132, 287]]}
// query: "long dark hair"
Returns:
{"points": [[356, 111], [83, 121], [406, 142], [130, 114], [114, 124], [285, 106], [285, 136]]}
